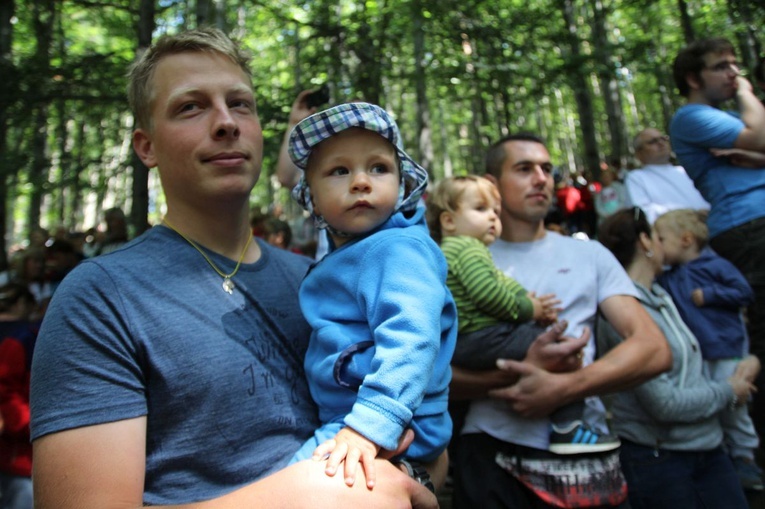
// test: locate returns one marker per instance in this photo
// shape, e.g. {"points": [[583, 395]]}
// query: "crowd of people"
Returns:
{"points": [[472, 330]]}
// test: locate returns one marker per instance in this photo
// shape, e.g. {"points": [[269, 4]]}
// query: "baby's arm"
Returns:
{"points": [[351, 447], [494, 293]]}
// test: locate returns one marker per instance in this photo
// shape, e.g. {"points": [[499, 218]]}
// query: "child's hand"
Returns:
{"points": [[351, 447], [545, 308], [697, 296]]}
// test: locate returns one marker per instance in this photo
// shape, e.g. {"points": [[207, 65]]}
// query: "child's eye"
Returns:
{"points": [[340, 170], [380, 168]]}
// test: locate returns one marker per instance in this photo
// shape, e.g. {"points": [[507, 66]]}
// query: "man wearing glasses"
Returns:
{"points": [[660, 186], [724, 153]]}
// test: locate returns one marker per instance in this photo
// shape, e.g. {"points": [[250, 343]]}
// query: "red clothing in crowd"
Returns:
{"points": [[16, 346]]}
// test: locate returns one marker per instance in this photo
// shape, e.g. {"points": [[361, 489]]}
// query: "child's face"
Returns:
{"points": [[354, 181], [670, 243], [477, 216]]}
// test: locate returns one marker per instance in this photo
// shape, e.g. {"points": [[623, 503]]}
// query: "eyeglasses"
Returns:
{"points": [[725, 66], [654, 141]]}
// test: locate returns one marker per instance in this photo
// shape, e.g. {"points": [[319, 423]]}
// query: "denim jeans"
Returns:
{"points": [[15, 492], [658, 478], [744, 247]]}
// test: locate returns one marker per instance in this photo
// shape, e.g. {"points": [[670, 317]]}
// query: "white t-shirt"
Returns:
{"points": [[659, 188], [581, 274]]}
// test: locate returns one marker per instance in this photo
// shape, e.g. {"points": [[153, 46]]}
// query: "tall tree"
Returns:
{"points": [[140, 189], [422, 115], [7, 86], [606, 69], [582, 93], [44, 14]]}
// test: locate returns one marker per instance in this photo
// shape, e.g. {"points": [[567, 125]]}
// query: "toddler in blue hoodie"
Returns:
{"points": [[384, 322]]}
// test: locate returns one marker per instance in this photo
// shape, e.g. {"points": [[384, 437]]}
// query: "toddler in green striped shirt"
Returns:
{"points": [[497, 317]]}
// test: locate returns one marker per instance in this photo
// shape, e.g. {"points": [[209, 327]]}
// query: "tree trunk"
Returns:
{"points": [[202, 13], [43, 22], [139, 211], [7, 9], [582, 94], [610, 86], [425, 148], [686, 22]]}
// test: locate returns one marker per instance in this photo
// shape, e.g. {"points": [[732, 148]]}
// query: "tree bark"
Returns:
{"points": [[423, 126], [139, 211], [7, 70], [582, 94]]}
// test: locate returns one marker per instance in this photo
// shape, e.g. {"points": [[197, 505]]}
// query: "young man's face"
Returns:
{"points": [[526, 183], [205, 136], [717, 80], [354, 181]]}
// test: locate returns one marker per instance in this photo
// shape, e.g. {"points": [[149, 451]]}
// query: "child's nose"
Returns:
{"points": [[360, 182]]}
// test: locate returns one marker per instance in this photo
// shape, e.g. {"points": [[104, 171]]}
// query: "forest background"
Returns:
{"points": [[585, 74]]}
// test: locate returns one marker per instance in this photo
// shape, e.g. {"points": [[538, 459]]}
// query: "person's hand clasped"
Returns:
{"points": [[351, 448], [539, 388]]}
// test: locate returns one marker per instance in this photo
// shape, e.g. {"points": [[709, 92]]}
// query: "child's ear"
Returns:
{"points": [[446, 219], [687, 240]]}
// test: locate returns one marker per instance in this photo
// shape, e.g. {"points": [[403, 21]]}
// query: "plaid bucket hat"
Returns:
{"points": [[318, 127]]}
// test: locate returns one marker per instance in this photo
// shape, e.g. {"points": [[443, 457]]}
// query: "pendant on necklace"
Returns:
{"points": [[228, 285]]}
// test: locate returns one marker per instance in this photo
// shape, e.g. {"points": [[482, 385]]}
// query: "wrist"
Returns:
{"points": [[418, 472], [733, 402]]}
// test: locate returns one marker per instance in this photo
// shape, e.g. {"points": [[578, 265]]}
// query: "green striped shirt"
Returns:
{"points": [[483, 294]]}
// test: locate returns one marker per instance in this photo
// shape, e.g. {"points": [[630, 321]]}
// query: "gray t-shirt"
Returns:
{"points": [[148, 331]]}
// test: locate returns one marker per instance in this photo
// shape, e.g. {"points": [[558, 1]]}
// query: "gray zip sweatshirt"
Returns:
{"points": [[678, 410]]}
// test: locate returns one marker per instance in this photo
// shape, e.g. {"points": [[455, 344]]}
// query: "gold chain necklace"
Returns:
{"points": [[228, 285]]}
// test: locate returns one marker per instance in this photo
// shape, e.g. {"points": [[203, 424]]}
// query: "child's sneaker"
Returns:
{"points": [[749, 474], [579, 439]]}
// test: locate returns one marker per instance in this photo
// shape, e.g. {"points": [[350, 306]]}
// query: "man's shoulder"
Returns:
{"points": [[690, 117]]}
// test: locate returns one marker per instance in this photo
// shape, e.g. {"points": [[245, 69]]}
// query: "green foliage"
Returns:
{"points": [[489, 67]]}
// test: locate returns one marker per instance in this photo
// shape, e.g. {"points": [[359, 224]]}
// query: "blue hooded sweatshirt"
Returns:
{"points": [[384, 329]]}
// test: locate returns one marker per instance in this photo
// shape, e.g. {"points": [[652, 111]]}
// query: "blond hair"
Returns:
{"points": [[686, 220], [140, 84], [447, 197]]}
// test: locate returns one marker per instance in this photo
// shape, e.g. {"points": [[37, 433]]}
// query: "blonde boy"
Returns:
{"points": [[710, 292]]}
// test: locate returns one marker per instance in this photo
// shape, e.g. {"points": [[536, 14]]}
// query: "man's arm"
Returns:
{"points": [[741, 158], [550, 351], [642, 355], [103, 467], [752, 137], [286, 172]]}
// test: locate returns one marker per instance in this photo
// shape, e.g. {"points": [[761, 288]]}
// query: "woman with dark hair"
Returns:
{"points": [[671, 453]]}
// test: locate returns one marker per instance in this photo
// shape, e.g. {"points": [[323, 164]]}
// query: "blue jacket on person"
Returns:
{"points": [[718, 324], [384, 329]]}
